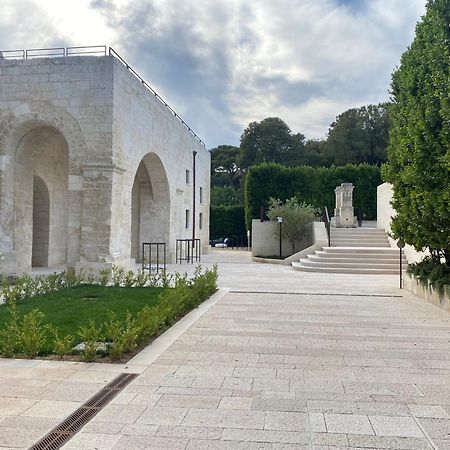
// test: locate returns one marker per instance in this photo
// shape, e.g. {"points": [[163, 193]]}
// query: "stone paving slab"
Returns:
{"points": [[283, 360]]}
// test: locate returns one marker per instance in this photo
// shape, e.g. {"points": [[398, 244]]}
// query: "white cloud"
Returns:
{"points": [[222, 63]]}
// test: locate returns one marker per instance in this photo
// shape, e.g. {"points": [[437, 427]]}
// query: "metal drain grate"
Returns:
{"points": [[57, 437]]}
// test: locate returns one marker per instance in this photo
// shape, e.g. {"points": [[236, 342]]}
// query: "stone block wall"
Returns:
{"points": [[84, 125]]}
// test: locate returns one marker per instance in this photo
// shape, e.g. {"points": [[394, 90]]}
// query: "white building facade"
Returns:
{"points": [[92, 164]]}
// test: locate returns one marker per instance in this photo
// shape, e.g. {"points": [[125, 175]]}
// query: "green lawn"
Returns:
{"points": [[73, 307]]}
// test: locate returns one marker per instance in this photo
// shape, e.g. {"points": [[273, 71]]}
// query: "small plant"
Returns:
{"points": [[91, 336], [10, 335], [129, 279], [140, 279], [431, 272], [62, 345], [118, 276], [33, 333], [105, 276]]}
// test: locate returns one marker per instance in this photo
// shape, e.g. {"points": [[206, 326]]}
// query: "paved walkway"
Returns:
{"points": [[279, 360]]}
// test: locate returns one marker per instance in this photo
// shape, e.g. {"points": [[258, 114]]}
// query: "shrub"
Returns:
{"points": [[33, 333], [431, 273]]}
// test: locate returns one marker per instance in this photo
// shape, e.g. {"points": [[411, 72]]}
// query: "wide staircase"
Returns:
{"points": [[354, 250]]}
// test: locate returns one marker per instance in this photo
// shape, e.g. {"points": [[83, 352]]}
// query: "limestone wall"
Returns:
{"points": [[108, 124], [385, 212], [265, 241]]}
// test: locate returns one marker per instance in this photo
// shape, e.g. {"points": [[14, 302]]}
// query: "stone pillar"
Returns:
{"points": [[97, 236], [343, 213]]}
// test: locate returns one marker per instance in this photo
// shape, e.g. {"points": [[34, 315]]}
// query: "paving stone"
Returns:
{"points": [[150, 443], [395, 426], [236, 402], [430, 411], [267, 436], [436, 428], [120, 413], [348, 424], [92, 441], [162, 416], [195, 444], [188, 401], [279, 404], [286, 421], [386, 442], [224, 418], [52, 409], [190, 432]]}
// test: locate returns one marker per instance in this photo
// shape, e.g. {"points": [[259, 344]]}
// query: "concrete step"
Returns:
{"points": [[352, 259], [303, 268], [359, 244], [362, 249], [350, 265], [365, 231]]}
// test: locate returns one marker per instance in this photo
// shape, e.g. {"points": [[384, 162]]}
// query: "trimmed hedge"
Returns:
{"points": [[311, 185], [227, 221]]}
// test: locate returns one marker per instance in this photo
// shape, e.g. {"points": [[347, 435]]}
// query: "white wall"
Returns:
{"points": [[385, 212], [265, 240]]}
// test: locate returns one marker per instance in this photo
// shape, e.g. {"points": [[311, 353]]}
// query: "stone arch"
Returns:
{"points": [[150, 205], [16, 128], [41, 180]]}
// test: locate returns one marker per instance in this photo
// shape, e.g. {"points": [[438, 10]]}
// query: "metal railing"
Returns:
{"points": [[91, 50], [187, 250], [326, 221], [151, 256]]}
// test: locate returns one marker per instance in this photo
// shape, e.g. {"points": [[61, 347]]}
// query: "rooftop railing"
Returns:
{"points": [[93, 50]]}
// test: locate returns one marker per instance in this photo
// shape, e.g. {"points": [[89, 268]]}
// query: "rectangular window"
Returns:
{"points": [[200, 221], [201, 195], [187, 219], [188, 176]]}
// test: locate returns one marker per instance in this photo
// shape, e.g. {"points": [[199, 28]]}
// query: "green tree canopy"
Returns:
{"points": [[224, 168], [270, 140], [419, 150], [359, 135]]}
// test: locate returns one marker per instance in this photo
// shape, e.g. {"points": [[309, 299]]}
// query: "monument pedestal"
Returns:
{"points": [[343, 214]]}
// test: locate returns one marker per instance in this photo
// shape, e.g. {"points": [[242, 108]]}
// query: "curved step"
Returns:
{"points": [[357, 260], [301, 267], [350, 265]]}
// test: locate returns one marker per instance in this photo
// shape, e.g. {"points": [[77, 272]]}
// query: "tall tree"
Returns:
{"points": [[359, 135], [270, 140], [419, 151], [224, 168]]}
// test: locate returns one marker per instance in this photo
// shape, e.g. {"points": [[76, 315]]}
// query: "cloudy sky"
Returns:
{"points": [[224, 63]]}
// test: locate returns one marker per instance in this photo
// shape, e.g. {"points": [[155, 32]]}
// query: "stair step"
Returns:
{"points": [[362, 249], [301, 267], [350, 265], [351, 259]]}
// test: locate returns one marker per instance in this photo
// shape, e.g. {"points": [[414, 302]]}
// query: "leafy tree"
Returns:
{"points": [[226, 196], [359, 135], [270, 140], [297, 218], [224, 168], [419, 150], [314, 153]]}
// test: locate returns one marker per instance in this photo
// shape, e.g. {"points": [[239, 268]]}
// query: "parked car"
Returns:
{"points": [[220, 243]]}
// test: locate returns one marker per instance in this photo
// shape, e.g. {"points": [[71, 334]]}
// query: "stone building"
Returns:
{"points": [[92, 163]]}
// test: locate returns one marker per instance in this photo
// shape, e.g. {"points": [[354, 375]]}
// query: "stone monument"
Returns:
{"points": [[343, 213]]}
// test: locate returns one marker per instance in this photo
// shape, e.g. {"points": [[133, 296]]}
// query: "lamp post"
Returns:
{"points": [[401, 245], [194, 154], [280, 221]]}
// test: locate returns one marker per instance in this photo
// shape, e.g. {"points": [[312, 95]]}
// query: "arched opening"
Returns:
{"points": [[41, 191], [41, 223], [150, 205]]}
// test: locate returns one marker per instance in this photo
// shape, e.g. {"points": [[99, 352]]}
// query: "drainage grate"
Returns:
{"points": [[71, 425]]}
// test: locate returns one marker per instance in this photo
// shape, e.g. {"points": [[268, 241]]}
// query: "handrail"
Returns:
{"points": [[326, 220], [91, 50]]}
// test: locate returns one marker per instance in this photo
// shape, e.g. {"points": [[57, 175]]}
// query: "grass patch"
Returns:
{"points": [[71, 308]]}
